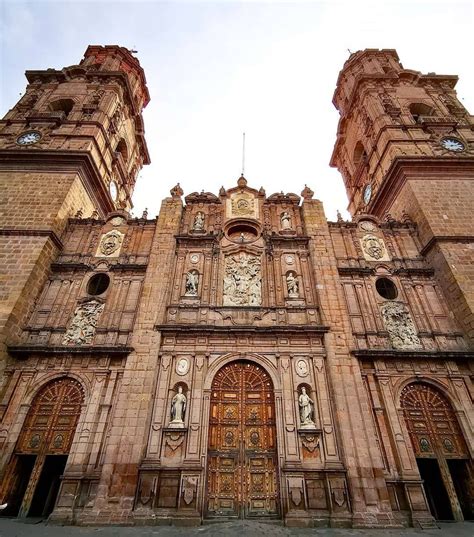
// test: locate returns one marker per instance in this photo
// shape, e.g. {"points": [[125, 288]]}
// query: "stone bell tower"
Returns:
{"points": [[405, 148], [73, 144]]}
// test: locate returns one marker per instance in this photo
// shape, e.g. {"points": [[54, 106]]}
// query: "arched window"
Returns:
{"points": [[62, 105], [122, 149], [420, 109], [360, 154]]}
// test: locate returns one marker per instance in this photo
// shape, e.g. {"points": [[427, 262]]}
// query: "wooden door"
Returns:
{"points": [[48, 430], [242, 474], [435, 434]]}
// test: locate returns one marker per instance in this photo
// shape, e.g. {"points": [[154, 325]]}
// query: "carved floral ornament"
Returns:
{"points": [[110, 243], [399, 325]]}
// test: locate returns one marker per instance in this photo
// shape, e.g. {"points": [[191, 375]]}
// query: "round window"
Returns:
{"points": [[98, 284], [386, 288]]}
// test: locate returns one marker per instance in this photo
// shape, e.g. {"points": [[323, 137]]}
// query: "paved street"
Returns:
{"points": [[13, 528]]}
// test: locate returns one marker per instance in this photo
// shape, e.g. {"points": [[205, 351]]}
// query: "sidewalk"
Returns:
{"points": [[15, 528]]}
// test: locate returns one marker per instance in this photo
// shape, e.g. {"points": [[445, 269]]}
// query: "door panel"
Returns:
{"points": [[242, 472]]}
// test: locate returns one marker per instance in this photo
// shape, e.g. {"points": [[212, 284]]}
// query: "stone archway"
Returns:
{"points": [[441, 452], [242, 474], [32, 479]]}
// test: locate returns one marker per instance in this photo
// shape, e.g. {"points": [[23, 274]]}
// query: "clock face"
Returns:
{"points": [[28, 138], [113, 191], [367, 193], [452, 144]]}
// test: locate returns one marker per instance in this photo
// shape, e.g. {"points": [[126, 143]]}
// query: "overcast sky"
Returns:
{"points": [[216, 69]]}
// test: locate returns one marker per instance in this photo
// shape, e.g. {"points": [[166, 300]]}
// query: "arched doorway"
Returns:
{"points": [[33, 476], [242, 475], [440, 450]]}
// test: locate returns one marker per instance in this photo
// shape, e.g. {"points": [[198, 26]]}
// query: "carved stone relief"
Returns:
{"points": [[301, 368], [182, 366], [84, 323], [110, 244], [399, 326], [373, 248], [242, 281], [242, 204]]}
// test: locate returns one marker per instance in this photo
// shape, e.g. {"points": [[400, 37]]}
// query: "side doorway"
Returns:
{"points": [[33, 476], [441, 452]]}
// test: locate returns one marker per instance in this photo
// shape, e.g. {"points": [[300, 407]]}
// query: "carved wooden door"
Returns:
{"points": [[432, 423], [435, 434], [242, 475], [48, 430]]}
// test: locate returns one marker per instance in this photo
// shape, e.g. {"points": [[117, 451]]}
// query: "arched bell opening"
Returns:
{"points": [[32, 479], [440, 450], [242, 473]]}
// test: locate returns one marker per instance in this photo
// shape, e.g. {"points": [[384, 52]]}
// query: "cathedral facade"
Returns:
{"points": [[239, 356]]}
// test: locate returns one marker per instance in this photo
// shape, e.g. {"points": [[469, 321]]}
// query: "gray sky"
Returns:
{"points": [[216, 69]]}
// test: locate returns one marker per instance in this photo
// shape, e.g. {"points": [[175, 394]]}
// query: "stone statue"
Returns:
{"points": [[399, 326], [198, 224], [178, 408], [306, 410], [192, 282], [110, 242], [292, 285], [242, 281], [285, 220], [83, 324]]}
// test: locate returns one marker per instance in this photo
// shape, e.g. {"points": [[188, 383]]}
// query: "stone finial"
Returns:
{"points": [[389, 218], [145, 214], [79, 213], [242, 182], [339, 216], [176, 191], [94, 215], [307, 193], [222, 191]]}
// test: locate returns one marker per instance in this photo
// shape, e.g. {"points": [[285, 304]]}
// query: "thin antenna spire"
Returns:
{"points": [[243, 153]]}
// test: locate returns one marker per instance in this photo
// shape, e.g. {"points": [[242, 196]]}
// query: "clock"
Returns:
{"points": [[367, 193], [28, 138], [452, 144], [113, 190]]}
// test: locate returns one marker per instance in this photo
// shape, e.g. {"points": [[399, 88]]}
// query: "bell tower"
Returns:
{"points": [[405, 147], [73, 145]]}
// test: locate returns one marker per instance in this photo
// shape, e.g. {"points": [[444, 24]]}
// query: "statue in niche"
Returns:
{"points": [[192, 282], [178, 408], [110, 242], [306, 405], [399, 326], [198, 224], [292, 285], [285, 220], [242, 281], [83, 324]]}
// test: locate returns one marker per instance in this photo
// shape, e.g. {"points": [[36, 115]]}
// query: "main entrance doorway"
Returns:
{"points": [[441, 452], [33, 476], [242, 475]]}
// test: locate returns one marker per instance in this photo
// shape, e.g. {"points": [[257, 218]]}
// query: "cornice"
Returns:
{"points": [[59, 161]]}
